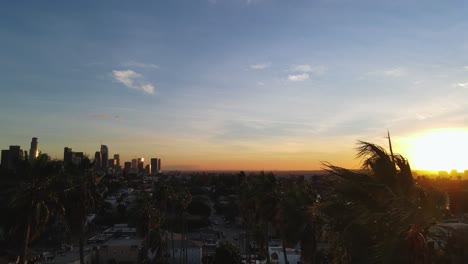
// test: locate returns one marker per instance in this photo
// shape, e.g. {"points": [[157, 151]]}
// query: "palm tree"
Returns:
{"points": [[79, 199], [380, 209], [258, 202], [295, 222], [36, 199]]}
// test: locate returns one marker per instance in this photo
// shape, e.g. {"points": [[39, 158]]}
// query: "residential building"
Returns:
{"points": [[120, 250]]}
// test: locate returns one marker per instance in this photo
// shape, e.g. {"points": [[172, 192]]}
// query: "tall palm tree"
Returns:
{"points": [[295, 222], [36, 199], [258, 202], [380, 209], [79, 199]]}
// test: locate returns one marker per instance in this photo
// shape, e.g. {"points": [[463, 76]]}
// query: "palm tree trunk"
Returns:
{"points": [[81, 248], [27, 233], [181, 241], [267, 245], [24, 251], [284, 252]]}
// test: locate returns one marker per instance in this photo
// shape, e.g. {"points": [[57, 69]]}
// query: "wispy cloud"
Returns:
{"points": [[462, 85], [298, 77], [465, 68], [396, 72], [133, 80], [260, 83], [104, 116], [308, 68], [393, 72], [260, 66], [136, 64]]}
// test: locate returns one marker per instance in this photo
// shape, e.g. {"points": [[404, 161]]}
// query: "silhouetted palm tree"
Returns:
{"points": [[382, 214], [36, 199], [79, 199]]}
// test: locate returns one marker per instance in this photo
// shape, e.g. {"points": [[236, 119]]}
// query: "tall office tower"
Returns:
{"points": [[159, 165], [140, 164], [134, 164], [117, 160], [154, 165], [97, 160], [127, 166], [67, 155], [111, 163], [104, 156], [5, 158], [15, 154], [33, 151]]}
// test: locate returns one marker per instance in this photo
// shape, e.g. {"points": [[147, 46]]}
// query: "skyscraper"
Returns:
{"points": [[33, 151], [15, 154], [97, 160], [154, 165], [5, 158], [127, 167], [141, 164], [117, 160], [104, 156], [67, 155]]}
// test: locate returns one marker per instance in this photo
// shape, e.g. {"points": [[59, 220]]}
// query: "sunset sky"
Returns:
{"points": [[237, 84]]}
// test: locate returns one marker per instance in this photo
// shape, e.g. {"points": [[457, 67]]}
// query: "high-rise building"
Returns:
{"points": [[33, 151], [5, 158], [97, 160], [111, 163], [117, 160], [127, 167], [15, 155], [154, 165], [104, 156], [141, 164], [159, 165], [67, 155], [134, 163]]}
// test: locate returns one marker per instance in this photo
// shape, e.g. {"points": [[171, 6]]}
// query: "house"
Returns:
{"points": [[120, 250]]}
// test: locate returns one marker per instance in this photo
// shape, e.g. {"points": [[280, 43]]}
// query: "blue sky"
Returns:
{"points": [[259, 84]]}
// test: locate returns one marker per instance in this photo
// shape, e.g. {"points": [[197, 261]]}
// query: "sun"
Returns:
{"points": [[437, 150]]}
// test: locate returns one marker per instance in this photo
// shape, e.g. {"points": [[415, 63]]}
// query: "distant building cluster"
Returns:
{"points": [[14, 154], [102, 161]]}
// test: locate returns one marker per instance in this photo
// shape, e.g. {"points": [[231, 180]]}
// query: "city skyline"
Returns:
{"points": [[242, 84]]}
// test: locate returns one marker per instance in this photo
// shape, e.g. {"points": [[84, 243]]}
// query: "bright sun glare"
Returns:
{"points": [[443, 149]]}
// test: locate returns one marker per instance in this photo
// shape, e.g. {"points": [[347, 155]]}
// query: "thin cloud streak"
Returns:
{"points": [[308, 68], [141, 65], [260, 66]]}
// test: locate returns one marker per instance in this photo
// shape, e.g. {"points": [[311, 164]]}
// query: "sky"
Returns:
{"points": [[232, 84]]}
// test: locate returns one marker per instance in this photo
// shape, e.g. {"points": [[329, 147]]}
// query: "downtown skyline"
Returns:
{"points": [[235, 85]]}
